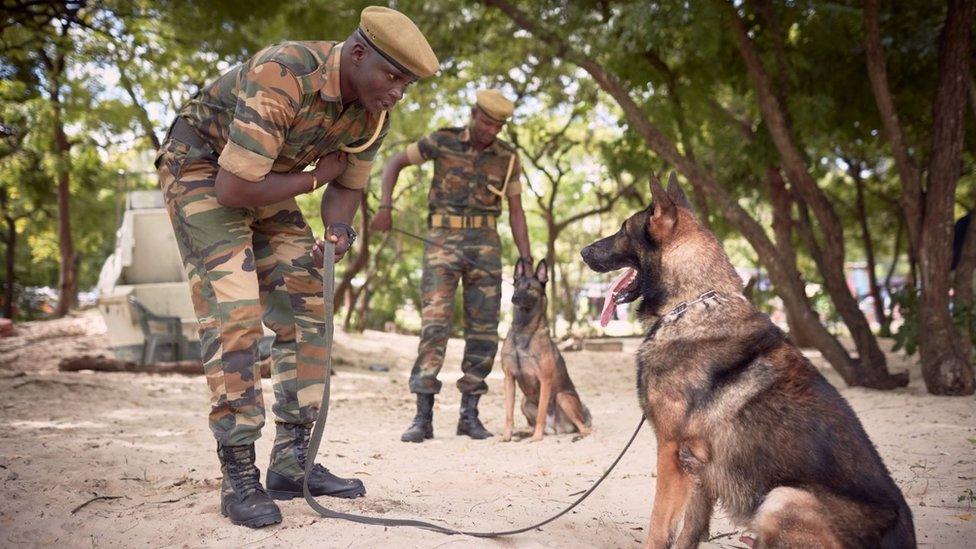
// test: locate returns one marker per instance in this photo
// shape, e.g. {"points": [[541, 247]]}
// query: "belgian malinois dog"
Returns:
{"points": [[741, 417], [531, 359]]}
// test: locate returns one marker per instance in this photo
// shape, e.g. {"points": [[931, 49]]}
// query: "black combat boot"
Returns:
{"points": [[286, 473], [423, 423], [242, 499], [469, 424]]}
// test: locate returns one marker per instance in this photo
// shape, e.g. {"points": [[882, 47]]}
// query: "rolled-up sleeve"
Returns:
{"points": [[515, 180], [360, 165], [267, 103]]}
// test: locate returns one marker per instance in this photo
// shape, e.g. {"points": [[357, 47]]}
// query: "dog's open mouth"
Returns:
{"points": [[623, 289]]}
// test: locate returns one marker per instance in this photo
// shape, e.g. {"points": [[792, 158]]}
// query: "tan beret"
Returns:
{"points": [[397, 39], [494, 104]]}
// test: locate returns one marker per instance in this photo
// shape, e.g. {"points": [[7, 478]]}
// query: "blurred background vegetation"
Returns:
{"points": [[833, 181]]}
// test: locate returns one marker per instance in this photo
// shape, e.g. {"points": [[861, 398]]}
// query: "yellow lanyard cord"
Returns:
{"points": [[508, 174], [366, 145]]}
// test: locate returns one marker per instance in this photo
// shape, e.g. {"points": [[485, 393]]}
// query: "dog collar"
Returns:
{"points": [[681, 308]]}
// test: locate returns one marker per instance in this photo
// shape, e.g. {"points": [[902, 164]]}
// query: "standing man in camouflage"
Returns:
{"points": [[230, 168], [473, 171]]}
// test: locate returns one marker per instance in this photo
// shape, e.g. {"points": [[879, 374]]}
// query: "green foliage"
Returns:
{"points": [[906, 336], [131, 64], [967, 496]]}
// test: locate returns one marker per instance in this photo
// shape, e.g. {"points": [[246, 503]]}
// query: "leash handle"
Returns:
{"points": [[328, 286]]}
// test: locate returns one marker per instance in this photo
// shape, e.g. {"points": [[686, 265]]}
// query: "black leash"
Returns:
{"points": [[449, 249], [316, 439]]}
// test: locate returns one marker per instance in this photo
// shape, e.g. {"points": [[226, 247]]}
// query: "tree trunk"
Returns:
{"points": [[142, 115], [879, 312], [945, 367], [911, 180], [779, 196], [963, 286], [10, 241], [831, 262], [785, 277], [551, 235], [67, 281]]}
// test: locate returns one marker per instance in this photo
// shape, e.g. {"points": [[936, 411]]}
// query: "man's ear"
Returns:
{"points": [[664, 213], [358, 52], [542, 272], [675, 193], [519, 269]]}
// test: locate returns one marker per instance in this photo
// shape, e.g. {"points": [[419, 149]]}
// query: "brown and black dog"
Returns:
{"points": [[531, 359], [741, 417]]}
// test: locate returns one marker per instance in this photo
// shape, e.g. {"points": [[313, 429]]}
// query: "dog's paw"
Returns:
{"points": [[507, 436], [536, 438]]}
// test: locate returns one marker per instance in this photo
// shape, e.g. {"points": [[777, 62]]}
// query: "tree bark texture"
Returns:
{"points": [[831, 258], [779, 196], [67, 281], [10, 241], [945, 367]]}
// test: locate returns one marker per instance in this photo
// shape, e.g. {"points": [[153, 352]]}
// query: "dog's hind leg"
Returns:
{"points": [[791, 517], [573, 408]]}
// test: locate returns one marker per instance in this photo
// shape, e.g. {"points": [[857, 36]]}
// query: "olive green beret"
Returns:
{"points": [[397, 39], [494, 104]]}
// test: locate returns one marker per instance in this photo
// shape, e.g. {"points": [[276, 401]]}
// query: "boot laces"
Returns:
{"points": [[302, 435], [244, 475]]}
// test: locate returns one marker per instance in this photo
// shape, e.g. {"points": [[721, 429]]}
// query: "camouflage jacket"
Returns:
{"points": [[282, 110], [462, 174]]}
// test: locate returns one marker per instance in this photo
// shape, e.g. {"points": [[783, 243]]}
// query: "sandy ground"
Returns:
{"points": [[141, 444]]}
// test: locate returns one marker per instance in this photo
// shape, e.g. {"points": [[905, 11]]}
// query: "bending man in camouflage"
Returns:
{"points": [[473, 170], [230, 169]]}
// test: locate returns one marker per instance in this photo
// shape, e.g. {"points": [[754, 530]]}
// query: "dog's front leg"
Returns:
{"points": [[671, 494], [509, 406], [545, 392]]}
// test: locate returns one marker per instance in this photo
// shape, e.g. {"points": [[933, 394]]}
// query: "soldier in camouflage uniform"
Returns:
{"points": [[230, 168], [473, 171]]}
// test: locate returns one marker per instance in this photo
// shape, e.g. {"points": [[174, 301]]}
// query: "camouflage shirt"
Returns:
{"points": [[462, 174], [281, 111]]}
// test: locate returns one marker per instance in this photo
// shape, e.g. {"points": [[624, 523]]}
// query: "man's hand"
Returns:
{"points": [[341, 235], [383, 220], [330, 167]]}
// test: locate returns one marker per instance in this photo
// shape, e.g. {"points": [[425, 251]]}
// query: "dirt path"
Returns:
{"points": [[142, 443]]}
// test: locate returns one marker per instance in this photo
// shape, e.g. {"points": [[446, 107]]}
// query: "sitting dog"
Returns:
{"points": [[741, 417], [531, 359]]}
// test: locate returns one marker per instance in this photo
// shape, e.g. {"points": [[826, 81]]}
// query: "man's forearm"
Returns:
{"points": [[235, 192], [389, 178], [520, 232], [339, 204]]}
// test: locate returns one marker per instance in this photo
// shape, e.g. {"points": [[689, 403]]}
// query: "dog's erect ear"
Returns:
{"points": [[665, 213], [542, 272], [519, 269], [675, 193]]}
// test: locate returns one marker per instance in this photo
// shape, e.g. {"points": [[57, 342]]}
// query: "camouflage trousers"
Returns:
{"points": [[482, 301], [247, 268]]}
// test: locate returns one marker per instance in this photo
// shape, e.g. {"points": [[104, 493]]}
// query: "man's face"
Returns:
{"points": [[380, 85], [483, 127]]}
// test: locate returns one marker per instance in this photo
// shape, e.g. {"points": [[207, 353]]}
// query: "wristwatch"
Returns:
{"points": [[350, 232]]}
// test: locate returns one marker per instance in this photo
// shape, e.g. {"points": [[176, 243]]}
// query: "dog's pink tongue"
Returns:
{"points": [[609, 305]]}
